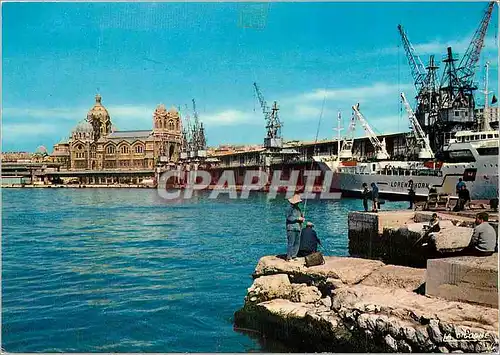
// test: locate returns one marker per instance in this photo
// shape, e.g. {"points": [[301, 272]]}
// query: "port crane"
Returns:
{"points": [[425, 82], [416, 66], [273, 123], [186, 133], [380, 149], [447, 106], [348, 142], [425, 150], [198, 134], [467, 67]]}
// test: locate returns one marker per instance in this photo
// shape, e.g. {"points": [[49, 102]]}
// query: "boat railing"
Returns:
{"points": [[410, 172]]}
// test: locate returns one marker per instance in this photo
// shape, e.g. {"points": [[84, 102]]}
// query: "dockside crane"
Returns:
{"points": [[417, 67], [198, 133], [426, 84], [273, 123], [425, 150], [468, 64], [457, 102], [448, 106], [380, 149]]}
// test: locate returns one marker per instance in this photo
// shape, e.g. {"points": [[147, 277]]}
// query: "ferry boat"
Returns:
{"points": [[472, 156]]}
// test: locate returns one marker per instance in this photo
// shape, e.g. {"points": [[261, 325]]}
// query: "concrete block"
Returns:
{"points": [[366, 229], [466, 279], [453, 239], [394, 219], [425, 216]]}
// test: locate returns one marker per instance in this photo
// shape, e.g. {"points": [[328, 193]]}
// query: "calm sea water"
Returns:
{"points": [[121, 270]]}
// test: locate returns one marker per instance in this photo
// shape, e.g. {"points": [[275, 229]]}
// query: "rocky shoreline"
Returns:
{"points": [[359, 305]]}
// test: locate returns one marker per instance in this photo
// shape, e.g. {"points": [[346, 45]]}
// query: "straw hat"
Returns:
{"points": [[309, 224], [295, 199]]}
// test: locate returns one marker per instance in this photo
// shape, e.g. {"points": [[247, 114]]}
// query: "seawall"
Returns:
{"points": [[359, 305]]}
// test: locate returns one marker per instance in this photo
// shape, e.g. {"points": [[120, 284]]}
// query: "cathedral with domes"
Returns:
{"points": [[96, 145]]}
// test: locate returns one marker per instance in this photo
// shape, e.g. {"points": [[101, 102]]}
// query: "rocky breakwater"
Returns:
{"points": [[396, 236], [352, 304]]}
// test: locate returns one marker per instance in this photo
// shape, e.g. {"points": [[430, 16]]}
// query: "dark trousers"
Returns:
{"points": [[293, 243], [460, 206], [411, 196], [365, 205], [471, 251]]}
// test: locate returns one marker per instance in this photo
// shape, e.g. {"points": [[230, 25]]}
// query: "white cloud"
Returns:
{"points": [[308, 111], [79, 113], [438, 47], [232, 117], [124, 117], [137, 112], [354, 94], [46, 113], [27, 129], [458, 46]]}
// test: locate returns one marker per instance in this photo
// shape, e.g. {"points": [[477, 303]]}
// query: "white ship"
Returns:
{"points": [[444, 107], [472, 156]]}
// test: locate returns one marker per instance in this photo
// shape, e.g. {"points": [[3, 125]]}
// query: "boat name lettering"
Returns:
{"points": [[416, 185]]}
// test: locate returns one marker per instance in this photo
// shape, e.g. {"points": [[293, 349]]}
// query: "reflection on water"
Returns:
{"points": [[121, 270]]}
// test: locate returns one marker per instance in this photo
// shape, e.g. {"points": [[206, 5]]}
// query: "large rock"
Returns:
{"points": [[453, 238], [374, 310], [348, 270], [426, 216], [392, 276], [269, 287], [305, 294], [411, 307], [466, 278], [298, 325]]}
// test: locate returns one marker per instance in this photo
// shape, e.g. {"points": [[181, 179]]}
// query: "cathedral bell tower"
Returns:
{"points": [[99, 118]]}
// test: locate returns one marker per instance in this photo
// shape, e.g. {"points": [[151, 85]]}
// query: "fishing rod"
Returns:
{"points": [[314, 148]]}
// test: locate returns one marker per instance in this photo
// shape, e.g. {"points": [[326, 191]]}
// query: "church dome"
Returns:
{"points": [[41, 150], [98, 112], [84, 127], [160, 109]]}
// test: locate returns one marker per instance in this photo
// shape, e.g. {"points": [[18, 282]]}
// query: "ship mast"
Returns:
{"points": [[338, 129], [485, 124]]}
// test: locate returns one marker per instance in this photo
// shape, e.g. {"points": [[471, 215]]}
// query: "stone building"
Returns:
{"points": [[95, 144]]}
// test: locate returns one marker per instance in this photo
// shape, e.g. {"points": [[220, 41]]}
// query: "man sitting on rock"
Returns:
{"points": [[484, 239], [429, 229], [308, 241]]}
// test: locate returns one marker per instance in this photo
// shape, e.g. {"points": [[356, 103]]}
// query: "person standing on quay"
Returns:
{"points": [[374, 197], [294, 219], [411, 194], [460, 183], [366, 195]]}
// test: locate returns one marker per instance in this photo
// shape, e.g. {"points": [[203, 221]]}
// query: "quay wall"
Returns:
{"points": [[396, 236], [76, 186], [360, 305]]}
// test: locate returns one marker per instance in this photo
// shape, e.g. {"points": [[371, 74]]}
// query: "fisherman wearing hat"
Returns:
{"points": [[294, 219], [308, 240]]}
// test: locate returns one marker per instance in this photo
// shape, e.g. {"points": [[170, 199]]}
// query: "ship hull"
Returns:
{"points": [[484, 186]]}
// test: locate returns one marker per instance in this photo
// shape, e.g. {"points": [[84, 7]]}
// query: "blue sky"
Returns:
{"points": [[56, 56]]}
